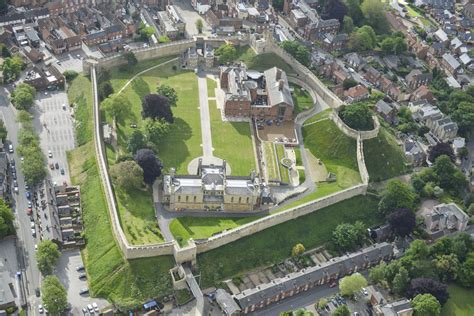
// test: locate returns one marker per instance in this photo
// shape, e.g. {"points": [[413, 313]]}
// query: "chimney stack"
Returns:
{"points": [[281, 83]]}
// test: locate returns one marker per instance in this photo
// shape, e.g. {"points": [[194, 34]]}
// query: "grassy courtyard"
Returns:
{"points": [[460, 302], [383, 157], [232, 141], [270, 162], [301, 98], [284, 174], [211, 88], [320, 116], [337, 151], [124, 282], [274, 244], [261, 62], [183, 144]]}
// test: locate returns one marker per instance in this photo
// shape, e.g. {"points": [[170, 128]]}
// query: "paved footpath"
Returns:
{"points": [[205, 116]]}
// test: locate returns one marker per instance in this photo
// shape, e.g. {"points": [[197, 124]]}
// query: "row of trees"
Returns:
{"points": [[34, 164], [227, 53], [426, 269]]}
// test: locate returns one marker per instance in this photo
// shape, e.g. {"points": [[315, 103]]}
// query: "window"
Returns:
{"points": [[240, 199], [248, 199], [194, 200], [232, 200], [179, 198], [187, 198]]}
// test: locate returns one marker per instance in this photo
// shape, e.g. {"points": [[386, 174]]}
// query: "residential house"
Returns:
{"points": [[8, 290], [416, 78], [414, 153], [372, 75], [422, 93], [441, 4], [465, 59], [452, 82], [317, 30], [455, 45], [387, 111], [355, 60], [391, 61], [384, 84], [468, 10], [298, 18], [394, 92], [443, 128], [381, 306], [457, 144], [334, 42], [437, 49], [450, 63], [278, 289], [441, 36], [445, 218], [42, 79], [356, 94], [226, 303]]}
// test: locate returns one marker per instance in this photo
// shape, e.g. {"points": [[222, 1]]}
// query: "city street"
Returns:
{"points": [[26, 242], [55, 126]]}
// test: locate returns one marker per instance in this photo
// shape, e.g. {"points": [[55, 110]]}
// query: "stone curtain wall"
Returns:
{"points": [[364, 135], [204, 245], [306, 75]]}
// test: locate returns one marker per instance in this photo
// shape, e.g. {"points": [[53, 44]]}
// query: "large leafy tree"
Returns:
{"points": [[463, 115], [169, 92], [429, 286], [136, 141], [374, 13], [117, 106], [47, 256], [449, 177], [23, 96], [3, 131], [352, 284], [6, 220], [441, 149], [426, 305], [363, 39], [394, 45], [156, 129], [150, 164], [355, 12], [401, 281], [357, 116], [131, 59], [334, 9], [402, 221], [297, 250], [226, 53], [347, 25], [342, 310], [11, 68], [466, 271], [54, 295], [349, 236], [397, 195], [300, 52], [127, 174], [157, 107], [447, 266]]}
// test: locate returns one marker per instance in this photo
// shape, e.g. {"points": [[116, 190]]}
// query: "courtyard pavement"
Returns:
{"points": [[205, 116]]}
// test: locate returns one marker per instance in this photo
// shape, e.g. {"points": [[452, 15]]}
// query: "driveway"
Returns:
{"points": [[188, 14], [55, 126], [69, 277]]}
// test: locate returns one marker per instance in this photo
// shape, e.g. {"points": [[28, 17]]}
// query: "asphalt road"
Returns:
{"points": [[26, 241]]}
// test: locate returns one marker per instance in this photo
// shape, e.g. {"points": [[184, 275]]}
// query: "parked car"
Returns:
{"points": [[37, 292], [14, 176], [32, 225], [83, 291], [51, 166], [40, 309], [28, 195], [56, 165], [33, 232], [10, 149], [84, 310], [29, 211], [80, 268], [82, 276], [365, 291], [96, 308], [50, 154], [62, 171]]}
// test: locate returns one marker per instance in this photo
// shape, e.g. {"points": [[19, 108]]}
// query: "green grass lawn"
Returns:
{"points": [[336, 150], [126, 283], [322, 189], [211, 88], [301, 98], [183, 142], [261, 62], [284, 174], [383, 157], [270, 162], [231, 141], [274, 244], [320, 116], [80, 93], [460, 302], [204, 227]]}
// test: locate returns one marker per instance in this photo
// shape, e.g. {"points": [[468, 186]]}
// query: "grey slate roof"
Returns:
{"points": [[451, 60], [310, 275], [278, 94], [383, 107], [226, 302]]}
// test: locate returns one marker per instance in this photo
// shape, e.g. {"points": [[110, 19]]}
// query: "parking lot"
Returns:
{"points": [[55, 126], [66, 272]]}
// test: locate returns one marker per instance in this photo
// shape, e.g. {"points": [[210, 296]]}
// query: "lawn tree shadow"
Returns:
{"points": [[180, 132], [140, 87]]}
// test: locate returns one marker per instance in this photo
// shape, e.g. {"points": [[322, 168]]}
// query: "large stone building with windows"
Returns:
{"points": [[211, 189], [256, 95]]}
